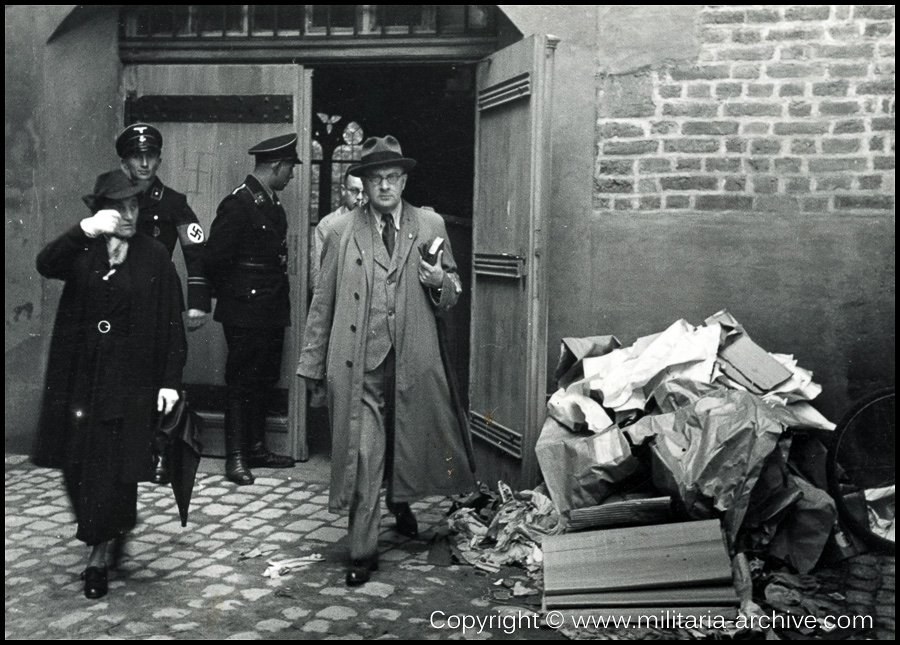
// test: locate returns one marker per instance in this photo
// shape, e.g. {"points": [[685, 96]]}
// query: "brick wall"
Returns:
{"points": [[787, 108]]}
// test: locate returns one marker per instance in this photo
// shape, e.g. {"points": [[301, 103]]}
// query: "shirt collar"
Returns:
{"points": [[395, 215]]}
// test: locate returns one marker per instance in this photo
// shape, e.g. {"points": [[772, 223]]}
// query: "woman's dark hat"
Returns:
{"points": [[283, 148], [111, 186], [138, 137], [381, 151]]}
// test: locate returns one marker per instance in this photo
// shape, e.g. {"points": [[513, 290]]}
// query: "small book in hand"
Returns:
{"points": [[429, 252]]}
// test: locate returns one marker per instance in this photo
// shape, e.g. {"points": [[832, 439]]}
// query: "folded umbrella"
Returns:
{"points": [[179, 436]]}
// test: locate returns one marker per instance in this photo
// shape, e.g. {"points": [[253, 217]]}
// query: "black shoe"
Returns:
{"points": [[160, 469], [236, 470], [259, 457], [406, 521], [361, 570], [95, 583]]}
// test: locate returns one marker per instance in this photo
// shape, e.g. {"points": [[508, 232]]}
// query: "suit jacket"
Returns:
{"points": [[429, 454], [246, 259]]}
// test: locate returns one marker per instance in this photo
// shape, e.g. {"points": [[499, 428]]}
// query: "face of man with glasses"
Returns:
{"points": [[384, 186], [352, 193]]}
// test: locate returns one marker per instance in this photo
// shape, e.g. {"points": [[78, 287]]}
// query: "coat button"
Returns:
{"points": [[391, 312], [349, 363], [356, 295], [359, 261], [156, 217], [390, 281], [353, 328]]}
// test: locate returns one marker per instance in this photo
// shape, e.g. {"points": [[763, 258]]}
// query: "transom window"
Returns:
{"points": [[307, 21]]}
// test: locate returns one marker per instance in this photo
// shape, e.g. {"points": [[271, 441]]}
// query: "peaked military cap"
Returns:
{"points": [[138, 137], [279, 148], [381, 151]]}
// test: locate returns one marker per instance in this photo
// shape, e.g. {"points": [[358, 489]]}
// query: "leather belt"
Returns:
{"points": [[261, 267]]}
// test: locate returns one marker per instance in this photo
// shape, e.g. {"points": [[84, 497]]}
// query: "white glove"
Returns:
{"points": [[103, 221], [166, 400], [196, 318]]}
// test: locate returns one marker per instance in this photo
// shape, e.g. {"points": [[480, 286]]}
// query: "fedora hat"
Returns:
{"points": [[381, 151], [111, 186]]}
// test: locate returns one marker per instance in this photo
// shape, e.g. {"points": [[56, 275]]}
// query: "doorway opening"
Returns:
{"points": [[430, 109]]}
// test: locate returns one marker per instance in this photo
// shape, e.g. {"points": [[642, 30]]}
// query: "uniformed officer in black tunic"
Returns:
{"points": [[165, 215], [246, 260]]}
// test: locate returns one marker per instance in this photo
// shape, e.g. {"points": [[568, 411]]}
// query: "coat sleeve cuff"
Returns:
{"points": [[198, 295]]}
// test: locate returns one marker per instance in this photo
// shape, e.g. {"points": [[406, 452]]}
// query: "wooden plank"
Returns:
{"points": [[688, 554], [721, 595], [656, 510]]}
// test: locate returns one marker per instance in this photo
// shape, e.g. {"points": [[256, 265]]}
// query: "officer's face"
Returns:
{"points": [[352, 192], [284, 172], [141, 166], [384, 186], [128, 211]]}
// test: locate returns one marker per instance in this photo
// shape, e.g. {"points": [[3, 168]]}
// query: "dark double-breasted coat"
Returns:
{"points": [[246, 259], [146, 341], [429, 452], [166, 216]]}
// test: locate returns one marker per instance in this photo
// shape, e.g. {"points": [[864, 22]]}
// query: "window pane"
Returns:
{"points": [[263, 19], [343, 17], [481, 17], [235, 23], [398, 17], [210, 21], [290, 19], [453, 18]]}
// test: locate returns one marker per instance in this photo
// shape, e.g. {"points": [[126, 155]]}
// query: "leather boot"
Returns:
{"points": [[236, 469], [259, 456]]}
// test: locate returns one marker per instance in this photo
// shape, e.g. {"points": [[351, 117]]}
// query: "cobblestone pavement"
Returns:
{"points": [[190, 582]]}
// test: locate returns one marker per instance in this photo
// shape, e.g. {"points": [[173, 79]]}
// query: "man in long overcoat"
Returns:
{"points": [[371, 335]]}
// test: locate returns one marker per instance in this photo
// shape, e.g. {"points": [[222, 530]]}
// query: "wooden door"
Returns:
{"points": [[509, 300], [209, 116]]}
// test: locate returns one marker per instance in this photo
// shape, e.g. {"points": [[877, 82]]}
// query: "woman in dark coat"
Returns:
{"points": [[116, 358]]}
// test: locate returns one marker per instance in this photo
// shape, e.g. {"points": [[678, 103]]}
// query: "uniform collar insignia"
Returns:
{"points": [[156, 190]]}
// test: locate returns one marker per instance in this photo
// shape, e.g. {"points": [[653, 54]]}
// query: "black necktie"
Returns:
{"points": [[387, 233]]}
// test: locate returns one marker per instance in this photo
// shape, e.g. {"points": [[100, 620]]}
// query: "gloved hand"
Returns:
{"points": [[166, 400], [196, 318], [103, 221]]}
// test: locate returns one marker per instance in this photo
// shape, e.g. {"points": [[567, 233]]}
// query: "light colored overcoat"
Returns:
{"points": [[429, 453]]}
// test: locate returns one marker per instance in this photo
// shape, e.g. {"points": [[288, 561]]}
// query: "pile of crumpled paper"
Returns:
{"points": [[714, 409]]}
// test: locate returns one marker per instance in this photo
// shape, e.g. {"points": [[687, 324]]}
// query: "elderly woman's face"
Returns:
{"points": [[128, 211]]}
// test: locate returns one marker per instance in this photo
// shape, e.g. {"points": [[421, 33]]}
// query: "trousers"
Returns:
{"points": [[375, 458]]}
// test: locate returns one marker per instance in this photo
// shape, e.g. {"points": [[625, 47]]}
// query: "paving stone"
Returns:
{"points": [[394, 555], [336, 612], [334, 591], [299, 495], [303, 525], [217, 510], [202, 562], [327, 534], [247, 523], [240, 499], [17, 521], [293, 613], [270, 514], [317, 626], [215, 491], [143, 574], [24, 564], [262, 531], [307, 509], [244, 636], [209, 545], [171, 612], [376, 589], [254, 507], [272, 625], [284, 536], [255, 594], [267, 481], [228, 536], [166, 564], [384, 614], [215, 571], [14, 554], [42, 510], [216, 590], [140, 628]]}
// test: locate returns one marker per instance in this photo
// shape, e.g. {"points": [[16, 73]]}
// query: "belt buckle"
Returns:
{"points": [[103, 326]]}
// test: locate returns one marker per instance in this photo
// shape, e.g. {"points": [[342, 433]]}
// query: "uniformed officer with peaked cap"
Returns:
{"points": [[246, 259], [165, 215]]}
